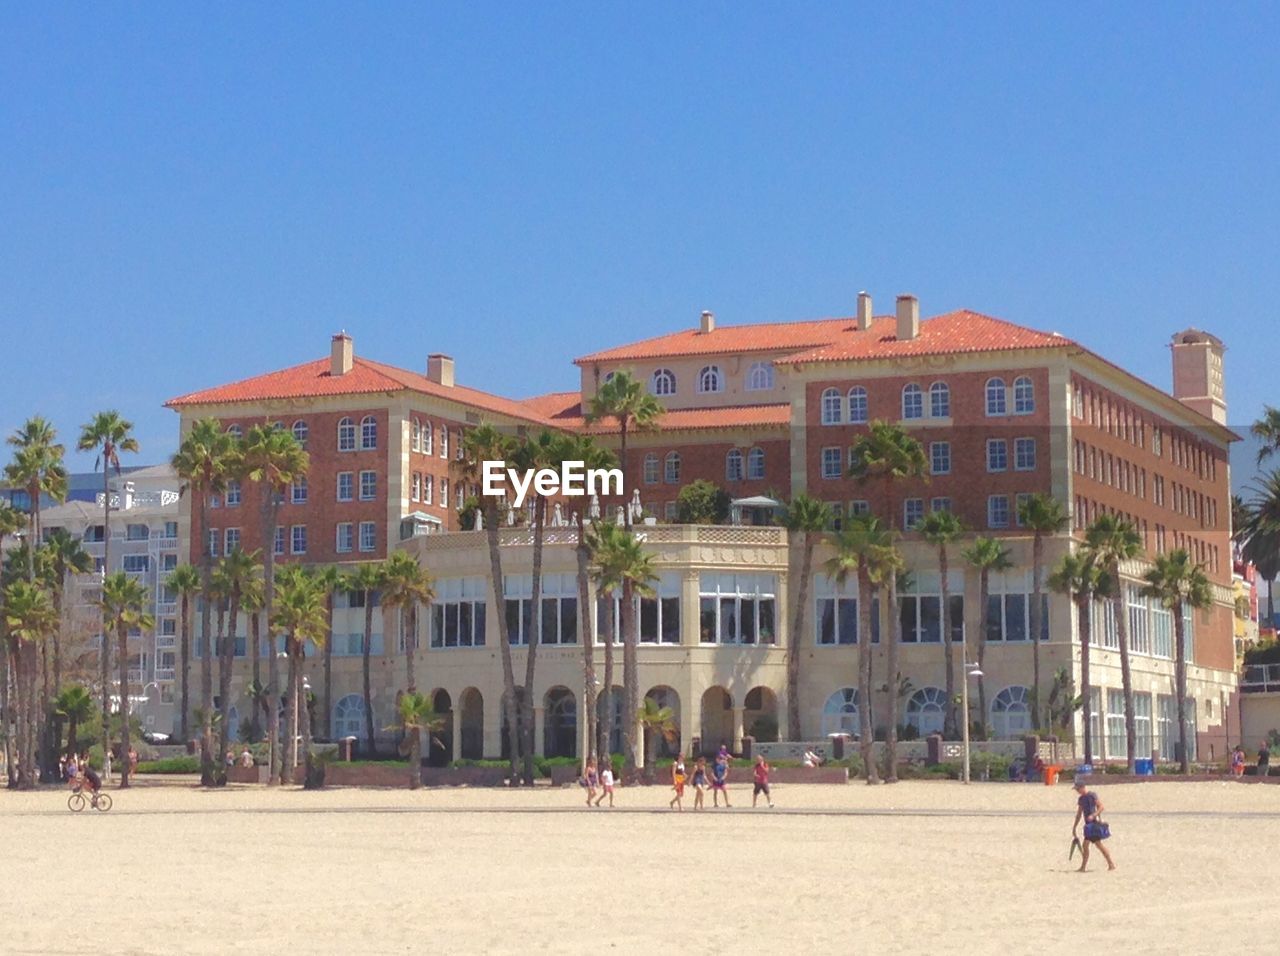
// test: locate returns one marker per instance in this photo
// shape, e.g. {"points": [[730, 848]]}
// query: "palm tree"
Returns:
{"points": [[888, 454], [299, 615], [238, 568], [406, 586], [66, 555], [369, 579], [1042, 515], [887, 570], [74, 703], [1178, 583], [124, 602], [623, 399], [29, 618], [251, 601], [655, 721], [805, 518], [1112, 541], [332, 580], [1259, 534], [203, 463], [602, 546], [856, 544], [417, 716], [12, 521], [481, 444], [987, 557], [1079, 577], [37, 468], [184, 581], [942, 529], [1267, 431]]}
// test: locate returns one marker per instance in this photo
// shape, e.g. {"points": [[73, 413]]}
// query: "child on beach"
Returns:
{"points": [[677, 783], [1237, 761], [606, 785], [719, 778], [1089, 808], [699, 783], [760, 774], [591, 778]]}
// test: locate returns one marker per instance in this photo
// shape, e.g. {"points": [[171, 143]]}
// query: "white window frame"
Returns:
{"points": [[346, 434], [368, 537], [1024, 454], [939, 400], [344, 537], [710, 380], [997, 397], [940, 457], [831, 406], [662, 382], [760, 377], [369, 433], [997, 455], [831, 455], [912, 402], [350, 477], [858, 405], [298, 535]]}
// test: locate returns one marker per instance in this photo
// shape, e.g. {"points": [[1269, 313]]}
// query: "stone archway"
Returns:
{"points": [[717, 719], [760, 714], [560, 723], [471, 707], [665, 696], [439, 748]]}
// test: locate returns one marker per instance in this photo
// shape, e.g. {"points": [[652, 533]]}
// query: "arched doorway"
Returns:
{"points": [[665, 696], [717, 719], [472, 706], [840, 713], [506, 727], [560, 723], [614, 723], [1011, 713], [760, 714], [348, 719], [439, 746], [926, 710]]}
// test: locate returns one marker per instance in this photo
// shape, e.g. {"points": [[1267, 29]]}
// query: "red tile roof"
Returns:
{"points": [[766, 337], [681, 419]]}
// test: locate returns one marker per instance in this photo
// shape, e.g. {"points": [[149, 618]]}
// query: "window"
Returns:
{"points": [[444, 495], [859, 507], [1117, 740], [428, 487], [168, 561], [651, 468], [277, 546], [171, 529], [940, 457], [831, 463], [857, 405], [912, 513], [836, 611], [709, 379], [559, 602], [348, 717], [1010, 713], [733, 466], [444, 441], [736, 608], [426, 438], [235, 431], [663, 382], [460, 496], [298, 491], [136, 532], [670, 511], [998, 511], [1019, 503], [415, 436], [298, 541], [997, 454], [920, 608], [671, 468], [368, 536], [232, 540], [926, 710], [1142, 726], [760, 377], [136, 563], [416, 493], [939, 400], [840, 713], [940, 504], [1024, 454], [300, 433], [344, 538], [658, 617], [997, 399], [831, 407], [368, 433], [346, 435], [233, 496], [458, 613], [1009, 608], [368, 485], [1024, 396], [215, 539], [458, 448], [346, 480], [912, 402], [755, 464]]}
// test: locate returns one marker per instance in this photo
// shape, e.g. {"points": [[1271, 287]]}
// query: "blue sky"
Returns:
{"points": [[192, 196]]}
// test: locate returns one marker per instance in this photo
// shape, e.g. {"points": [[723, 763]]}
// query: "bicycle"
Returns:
{"points": [[97, 799]]}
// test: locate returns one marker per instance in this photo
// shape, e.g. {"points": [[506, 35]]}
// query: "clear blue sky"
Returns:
{"points": [[191, 197]]}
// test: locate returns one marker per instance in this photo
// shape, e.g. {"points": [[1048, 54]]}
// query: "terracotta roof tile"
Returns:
{"points": [[690, 419], [765, 337]]}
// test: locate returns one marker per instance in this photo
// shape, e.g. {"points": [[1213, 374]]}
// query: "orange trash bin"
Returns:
{"points": [[1051, 775]]}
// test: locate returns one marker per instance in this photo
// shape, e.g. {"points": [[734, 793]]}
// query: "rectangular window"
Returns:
{"points": [[416, 492], [997, 454], [998, 511], [831, 463], [1019, 500], [278, 544], [368, 485], [1117, 741], [298, 492], [1142, 726], [737, 608], [232, 539], [458, 612], [215, 539], [298, 539], [428, 489], [1024, 454], [859, 506], [168, 561], [368, 536], [835, 612], [650, 469], [133, 563], [912, 513], [670, 511], [559, 606], [344, 537], [940, 457], [346, 485], [940, 504], [171, 529], [233, 493]]}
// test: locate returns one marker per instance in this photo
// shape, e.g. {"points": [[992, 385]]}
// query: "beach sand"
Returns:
{"points": [[919, 866]]}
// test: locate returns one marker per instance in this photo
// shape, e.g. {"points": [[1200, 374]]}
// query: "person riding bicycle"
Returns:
{"points": [[92, 779]]}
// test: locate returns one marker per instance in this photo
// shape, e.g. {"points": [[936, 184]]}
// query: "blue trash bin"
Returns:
{"points": [[1145, 768]]}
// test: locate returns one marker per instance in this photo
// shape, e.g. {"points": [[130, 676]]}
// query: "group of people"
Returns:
{"points": [[1261, 769], [245, 759], [75, 770], [599, 782]]}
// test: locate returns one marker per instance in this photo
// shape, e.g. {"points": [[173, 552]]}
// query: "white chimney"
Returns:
{"points": [[708, 323], [341, 354], [440, 369], [908, 317], [864, 311]]}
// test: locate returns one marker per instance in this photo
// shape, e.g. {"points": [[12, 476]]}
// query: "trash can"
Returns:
{"points": [[1145, 768], [1051, 775]]}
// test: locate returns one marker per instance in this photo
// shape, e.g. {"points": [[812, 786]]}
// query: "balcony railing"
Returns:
{"points": [[1260, 678], [166, 640], [136, 675], [752, 535], [165, 673]]}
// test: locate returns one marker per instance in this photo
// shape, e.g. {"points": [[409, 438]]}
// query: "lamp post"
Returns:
{"points": [[967, 670], [297, 738]]}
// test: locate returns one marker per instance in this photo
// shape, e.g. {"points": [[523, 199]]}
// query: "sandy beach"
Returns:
{"points": [[914, 867]]}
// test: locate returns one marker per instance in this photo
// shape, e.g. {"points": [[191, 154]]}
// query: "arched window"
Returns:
{"points": [[709, 379], [912, 401], [997, 397], [348, 717], [755, 464], [346, 435], [300, 433], [831, 407], [733, 466], [235, 431], [1010, 715], [426, 438], [651, 468], [857, 405], [416, 439], [1024, 396], [663, 382], [939, 400], [444, 441], [368, 432], [926, 710], [671, 468], [760, 377], [840, 713]]}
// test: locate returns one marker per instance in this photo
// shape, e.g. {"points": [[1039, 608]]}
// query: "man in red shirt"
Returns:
{"points": [[761, 774]]}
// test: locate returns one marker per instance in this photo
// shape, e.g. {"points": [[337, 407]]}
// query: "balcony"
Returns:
{"points": [[136, 675], [166, 640], [522, 536], [1260, 678], [165, 673]]}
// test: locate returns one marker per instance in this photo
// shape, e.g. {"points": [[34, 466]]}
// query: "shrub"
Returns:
{"points": [[168, 765], [765, 728], [701, 502], [1264, 652]]}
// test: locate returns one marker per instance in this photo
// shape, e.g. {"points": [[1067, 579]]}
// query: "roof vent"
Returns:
{"points": [[708, 322], [341, 354]]}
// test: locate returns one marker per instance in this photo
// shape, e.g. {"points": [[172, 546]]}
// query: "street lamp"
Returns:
{"points": [[967, 670], [297, 737]]}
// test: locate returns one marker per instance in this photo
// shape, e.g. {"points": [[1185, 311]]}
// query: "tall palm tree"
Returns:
{"points": [[603, 547], [888, 571], [624, 400], [406, 586], [856, 545], [481, 444], [1178, 583], [12, 521], [37, 467], [987, 557], [417, 716], [66, 555], [1267, 431], [1113, 541], [299, 615], [203, 463], [124, 603], [805, 519], [1042, 515], [887, 454], [238, 568], [1260, 533], [251, 602], [941, 529], [1079, 577], [369, 579], [74, 703], [332, 580], [184, 581], [29, 618]]}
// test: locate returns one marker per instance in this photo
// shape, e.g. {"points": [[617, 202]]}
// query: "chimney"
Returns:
{"points": [[708, 322], [126, 496], [864, 311], [440, 369], [1197, 373], [908, 317], [340, 354]]}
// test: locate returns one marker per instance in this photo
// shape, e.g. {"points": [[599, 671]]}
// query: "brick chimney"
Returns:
{"points": [[1197, 373], [341, 354], [708, 323], [908, 317], [440, 369], [864, 311]]}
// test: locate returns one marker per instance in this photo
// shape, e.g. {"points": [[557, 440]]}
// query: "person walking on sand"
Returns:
{"points": [[719, 780], [1089, 809], [760, 774], [700, 783], [590, 779], [1237, 761], [606, 785], [677, 783], [1264, 760]]}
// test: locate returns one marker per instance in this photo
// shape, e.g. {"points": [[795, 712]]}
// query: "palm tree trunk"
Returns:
{"points": [[255, 650], [509, 702], [605, 727], [794, 638], [866, 731], [227, 662], [531, 655], [630, 677], [588, 642], [73, 730], [328, 666], [268, 606], [367, 651], [185, 650], [894, 683], [410, 646], [1083, 602], [6, 716], [984, 594], [1180, 688], [622, 461], [295, 712], [122, 651], [206, 631], [58, 595], [415, 757], [104, 651], [949, 665], [304, 714], [1037, 557], [1126, 675]]}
